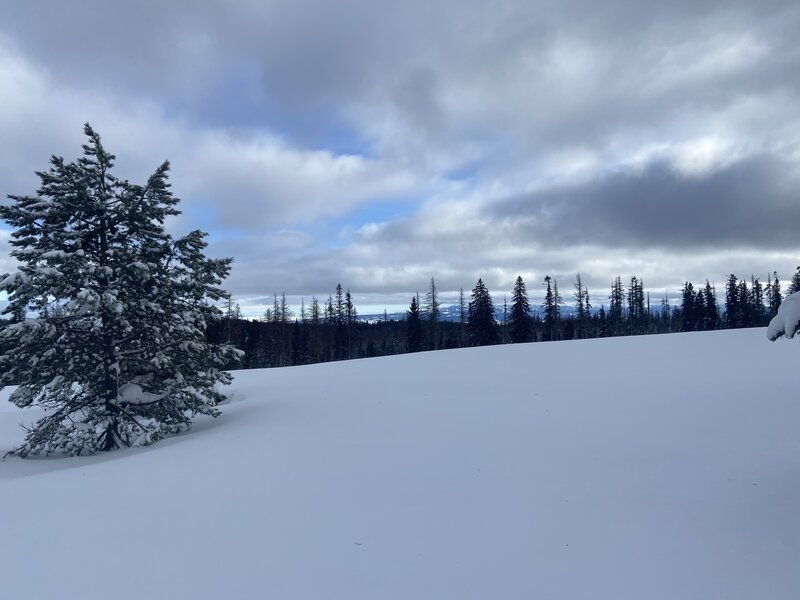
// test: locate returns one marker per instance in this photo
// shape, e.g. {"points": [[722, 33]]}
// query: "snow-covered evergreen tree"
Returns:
{"points": [[123, 360], [787, 322], [794, 284]]}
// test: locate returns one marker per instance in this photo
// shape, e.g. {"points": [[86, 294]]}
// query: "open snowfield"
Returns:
{"points": [[659, 467]]}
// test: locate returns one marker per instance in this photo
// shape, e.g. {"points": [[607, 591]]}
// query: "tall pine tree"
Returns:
{"points": [[734, 314], [552, 309], [123, 360], [690, 307], [637, 313], [711, 310], [415, 336], [582, 308], [462, 318], [774, 297], [794, 284], [481, 324], [615, 309], [519, 320]]}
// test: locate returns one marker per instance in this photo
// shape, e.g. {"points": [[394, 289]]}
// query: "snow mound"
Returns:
{"points": [[787, 321], [130, 393]]}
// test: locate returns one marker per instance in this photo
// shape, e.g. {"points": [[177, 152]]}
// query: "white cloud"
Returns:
{"points": [[706, 57], [698, 157], [261, 181], [252, 181]]}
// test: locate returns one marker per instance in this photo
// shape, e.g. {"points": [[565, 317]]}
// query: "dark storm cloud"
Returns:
{"points": [[753, 203]]}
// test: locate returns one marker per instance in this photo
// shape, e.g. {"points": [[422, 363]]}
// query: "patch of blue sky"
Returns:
{"points": [[338, 231], [241, 101], [236, 99], [467, 173], [323, 127], [205, 216], [379, 211]]}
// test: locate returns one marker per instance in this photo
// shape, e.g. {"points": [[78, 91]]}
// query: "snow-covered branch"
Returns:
{"points": [[787, 322]]}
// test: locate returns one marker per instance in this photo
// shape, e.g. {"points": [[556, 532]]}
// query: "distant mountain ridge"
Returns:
{"points": [[452, 314]]}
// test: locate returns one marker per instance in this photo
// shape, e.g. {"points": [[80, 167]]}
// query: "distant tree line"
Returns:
{"points": [[330, 330]]}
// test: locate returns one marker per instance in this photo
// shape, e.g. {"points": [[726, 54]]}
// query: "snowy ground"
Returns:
{"points": [[645, 468]]}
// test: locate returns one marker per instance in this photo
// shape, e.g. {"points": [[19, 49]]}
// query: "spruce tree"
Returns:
{"points": [[689, 308], [774, 296], [340, 331], [481, 324], [315, 328], [124, 360], [637, 313], [794, 284], [350, 315], [615, 308], [283, 316], [745, 302], [552, 309], [733, 309], [520, 319], [759, 311], [581, 309], [603, 330], [711, 310], [587, 307], [462, 317], [415, 336], [699, 310], [559, 301], [331, 329], [432, 314], [504, 324], [299, 344], [666, 313]]}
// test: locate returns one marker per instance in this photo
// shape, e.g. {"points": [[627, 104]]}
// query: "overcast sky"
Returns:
{"points": [[378, 143]]}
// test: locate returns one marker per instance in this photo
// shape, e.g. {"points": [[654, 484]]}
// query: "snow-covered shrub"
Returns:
{"points": [[787, 322], [114, 344]]}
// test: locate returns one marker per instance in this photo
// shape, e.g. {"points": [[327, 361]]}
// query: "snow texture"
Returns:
{"points": [[642, 468], [787, 321], [130, 393]]}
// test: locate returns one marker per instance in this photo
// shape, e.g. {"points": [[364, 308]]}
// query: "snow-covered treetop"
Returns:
{"points": [[787, 322]]}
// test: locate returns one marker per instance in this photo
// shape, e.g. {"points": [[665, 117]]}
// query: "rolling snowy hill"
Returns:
{"points": [[664, 467]]}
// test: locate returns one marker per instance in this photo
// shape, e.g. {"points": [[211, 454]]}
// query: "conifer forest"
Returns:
{"points": [[332, 330]]}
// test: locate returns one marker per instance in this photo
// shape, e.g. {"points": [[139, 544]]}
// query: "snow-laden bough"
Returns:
{"points": [[787, 322]]}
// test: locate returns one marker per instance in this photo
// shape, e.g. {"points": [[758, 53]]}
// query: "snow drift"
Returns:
{"points": [[663, 467], [787, 321]]}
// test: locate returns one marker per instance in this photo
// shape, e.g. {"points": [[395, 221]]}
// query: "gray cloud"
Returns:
{"points": [[658, 223], [561, 63], [654, 138], [752, 203]]}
